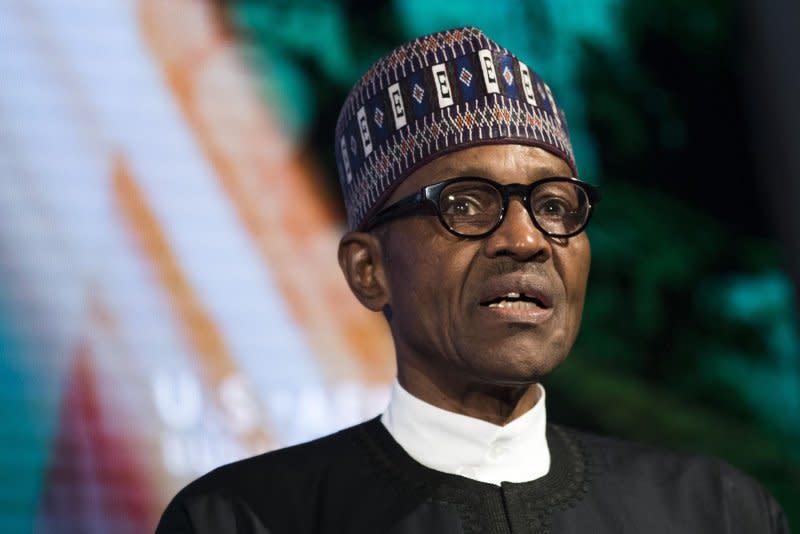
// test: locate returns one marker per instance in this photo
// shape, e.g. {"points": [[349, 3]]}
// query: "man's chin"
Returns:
{"points": [[517, 372], [521, 363]]}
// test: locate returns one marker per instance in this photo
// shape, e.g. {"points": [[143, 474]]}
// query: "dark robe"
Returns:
{"points": [[360, 480]]}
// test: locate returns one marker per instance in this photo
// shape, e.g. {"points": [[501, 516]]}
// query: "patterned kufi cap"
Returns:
{"points": [[439, 93]]}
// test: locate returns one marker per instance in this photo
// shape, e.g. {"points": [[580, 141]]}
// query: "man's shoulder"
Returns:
{"points": [[296, 462], [677, 484], [632, 458], [274, 489]]}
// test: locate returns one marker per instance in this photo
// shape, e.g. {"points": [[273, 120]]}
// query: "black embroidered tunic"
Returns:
{"points": [[360, 480]]}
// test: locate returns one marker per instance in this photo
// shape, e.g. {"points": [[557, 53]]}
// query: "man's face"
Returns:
{"points": [[451, 298]]}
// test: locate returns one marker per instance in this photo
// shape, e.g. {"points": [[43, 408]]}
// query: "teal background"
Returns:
{"points": [[690, 337]]}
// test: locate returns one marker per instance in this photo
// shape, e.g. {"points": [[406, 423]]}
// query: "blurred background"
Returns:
{"points": [[169, 216]]}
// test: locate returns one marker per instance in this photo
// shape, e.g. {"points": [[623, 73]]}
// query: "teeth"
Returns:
{"points": [[513, 305], [513, 296]]}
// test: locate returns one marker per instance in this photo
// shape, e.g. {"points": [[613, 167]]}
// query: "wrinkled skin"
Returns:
{"points": [[452, 351]]}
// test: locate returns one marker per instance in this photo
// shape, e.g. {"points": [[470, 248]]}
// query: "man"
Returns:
{"points": [[467, 231]]}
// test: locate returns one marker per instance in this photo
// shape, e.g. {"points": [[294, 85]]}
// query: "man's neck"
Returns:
{"points": [[496, 404]]}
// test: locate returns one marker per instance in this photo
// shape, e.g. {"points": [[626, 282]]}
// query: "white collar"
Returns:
{"points": [[466, 446]]}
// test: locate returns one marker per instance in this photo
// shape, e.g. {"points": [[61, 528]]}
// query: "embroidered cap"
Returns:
{"points": [[441, 92]]}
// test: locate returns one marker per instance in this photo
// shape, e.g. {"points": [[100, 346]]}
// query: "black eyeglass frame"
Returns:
{"points": [[427, 199]]}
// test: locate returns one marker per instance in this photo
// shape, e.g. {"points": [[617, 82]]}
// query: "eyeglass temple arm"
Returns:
{"points": [[593, 192], [396, 210]]}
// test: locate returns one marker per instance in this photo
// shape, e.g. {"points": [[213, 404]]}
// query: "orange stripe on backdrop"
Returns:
{"points": [[214, 359], [278, 199]]}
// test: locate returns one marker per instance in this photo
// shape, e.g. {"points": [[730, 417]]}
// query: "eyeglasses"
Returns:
{"points": [[474, 207]]}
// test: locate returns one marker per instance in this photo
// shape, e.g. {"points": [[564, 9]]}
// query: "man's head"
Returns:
{"points": [[473, 294]]}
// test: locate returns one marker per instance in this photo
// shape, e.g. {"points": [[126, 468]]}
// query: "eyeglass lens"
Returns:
{"points": [[472, 208]]}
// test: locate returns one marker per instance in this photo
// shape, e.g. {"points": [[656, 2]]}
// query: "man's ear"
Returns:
{"points": [[361, 260]]}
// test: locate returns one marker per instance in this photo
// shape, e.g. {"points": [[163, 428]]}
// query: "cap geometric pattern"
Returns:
{"points": [[441, 92]]}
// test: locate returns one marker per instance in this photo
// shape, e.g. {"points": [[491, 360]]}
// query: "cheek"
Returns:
{"points": [[573, 266], [413, 273], [435, 276], [427, 281]]}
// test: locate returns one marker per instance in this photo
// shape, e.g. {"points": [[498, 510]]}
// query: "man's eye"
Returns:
{"points": [[552, 207], [462, 206]]}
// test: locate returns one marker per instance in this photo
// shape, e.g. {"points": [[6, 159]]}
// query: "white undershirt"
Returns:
{"points": [[466, 446]]}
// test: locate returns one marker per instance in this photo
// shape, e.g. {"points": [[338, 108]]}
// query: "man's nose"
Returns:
{"points": [[518, 237]]}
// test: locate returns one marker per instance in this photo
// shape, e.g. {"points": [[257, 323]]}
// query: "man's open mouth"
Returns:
{"points": [[518, 301]]}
